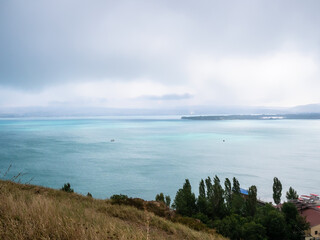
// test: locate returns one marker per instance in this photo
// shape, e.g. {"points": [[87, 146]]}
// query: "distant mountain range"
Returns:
{"points": [[62, 111], [256, 117]]}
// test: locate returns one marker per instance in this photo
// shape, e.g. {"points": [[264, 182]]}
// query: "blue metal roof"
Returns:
{"points": [[244, 191]]}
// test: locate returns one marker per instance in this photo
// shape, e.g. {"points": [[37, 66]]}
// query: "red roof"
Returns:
{"points": [[305, 196], [312, 216]]}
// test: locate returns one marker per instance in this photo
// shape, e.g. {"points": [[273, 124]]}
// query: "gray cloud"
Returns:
{"points": [[48, 42]]}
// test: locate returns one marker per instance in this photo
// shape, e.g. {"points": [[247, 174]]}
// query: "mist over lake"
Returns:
{"points": [[155, 155]]}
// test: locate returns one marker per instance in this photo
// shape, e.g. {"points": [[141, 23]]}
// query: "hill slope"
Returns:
{"points": [[33, 212]]}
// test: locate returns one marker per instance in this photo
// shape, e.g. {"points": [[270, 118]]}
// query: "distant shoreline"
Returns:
{"points": [[305, 116]]}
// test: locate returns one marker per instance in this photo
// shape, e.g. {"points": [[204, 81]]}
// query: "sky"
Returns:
{"points": [[158, 54]]}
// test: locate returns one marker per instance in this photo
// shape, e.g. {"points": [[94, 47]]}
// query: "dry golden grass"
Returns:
{"points": [[32, 212]]}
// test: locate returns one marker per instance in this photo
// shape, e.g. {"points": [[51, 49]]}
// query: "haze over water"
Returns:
{"points": [[150, 156]]}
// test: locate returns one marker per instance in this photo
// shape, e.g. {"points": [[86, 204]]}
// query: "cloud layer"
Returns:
{"points": [[142, 53]]}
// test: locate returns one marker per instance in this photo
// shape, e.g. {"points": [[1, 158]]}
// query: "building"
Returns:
{"points": [[309, 207], [244, 192], [312, 216]]}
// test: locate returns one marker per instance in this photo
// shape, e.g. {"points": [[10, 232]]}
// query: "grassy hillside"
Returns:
{"points": [[33, 212]]}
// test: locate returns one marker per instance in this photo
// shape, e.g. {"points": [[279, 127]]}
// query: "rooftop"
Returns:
{"points": [[312, 216], [244, 191]]}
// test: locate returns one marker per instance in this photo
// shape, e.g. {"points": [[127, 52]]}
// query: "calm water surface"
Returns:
{"points": [[156, 155]]}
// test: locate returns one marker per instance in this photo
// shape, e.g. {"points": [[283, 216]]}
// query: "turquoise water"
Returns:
{"points": [[156, 155]]}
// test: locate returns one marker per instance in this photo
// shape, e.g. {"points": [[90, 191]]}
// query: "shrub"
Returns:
{"points": [[67, 188], [158, 209], [135, 202], [119, 199], [202, 217], [125, 200]]}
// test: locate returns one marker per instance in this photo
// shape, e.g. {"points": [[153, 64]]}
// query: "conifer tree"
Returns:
{"points": [[202, 190], [228, 194], [251, 202], [236, 186], [218, 200], [277, 188], [160, 197], [209, 197], [202, 200], [209, 187], [167, 200], [185, 200], [292, 194], [238, 203]]}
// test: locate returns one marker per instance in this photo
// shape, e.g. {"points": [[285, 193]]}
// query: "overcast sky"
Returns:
{"points": [[143, 54]]}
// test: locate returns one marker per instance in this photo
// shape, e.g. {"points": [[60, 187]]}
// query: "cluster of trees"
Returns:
{"points": [[165, 199], [240, 216]]}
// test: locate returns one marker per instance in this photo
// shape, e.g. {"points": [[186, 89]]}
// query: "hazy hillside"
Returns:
{"points": [[72, 111], [33, 212]]}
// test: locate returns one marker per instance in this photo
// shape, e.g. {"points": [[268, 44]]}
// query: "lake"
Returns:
{"points": [[153, 155]]}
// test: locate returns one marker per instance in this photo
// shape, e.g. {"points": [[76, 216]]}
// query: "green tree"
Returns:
{"points": [[290, 211], [228, 194], [218, 200], [185, 200], [273, 221], [209, 196], [236, 186], [167, 201], [277, 188], [253, 231], [209, 187], [292, 194], [251, 202], [296, 224], [202, 200], [231, 226], [160, 197], [238, 203]]}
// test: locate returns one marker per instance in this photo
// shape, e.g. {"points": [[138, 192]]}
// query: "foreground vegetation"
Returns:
{"points": [[241, 216], [33, 212]]}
